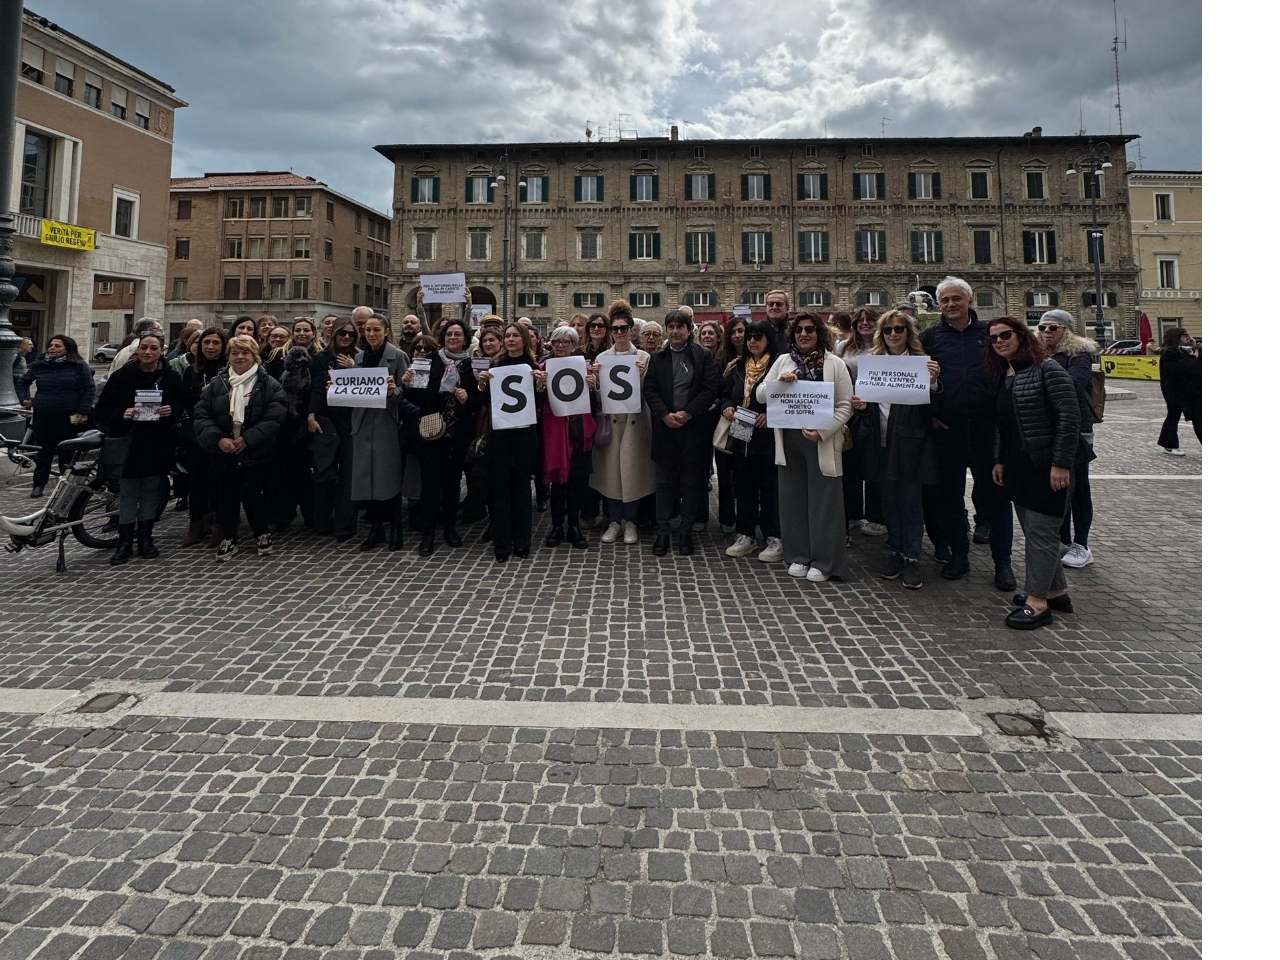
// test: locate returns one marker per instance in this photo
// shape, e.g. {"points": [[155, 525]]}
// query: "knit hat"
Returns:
{"points": [[1060, 316]]}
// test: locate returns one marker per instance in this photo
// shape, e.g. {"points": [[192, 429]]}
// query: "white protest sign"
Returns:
{"points": [[886, 379], [567, 386], [479, 311], [513, 402], [358, 387], [742, 310], [421, 369], [443, 287], [619, 384], [803, 405]]}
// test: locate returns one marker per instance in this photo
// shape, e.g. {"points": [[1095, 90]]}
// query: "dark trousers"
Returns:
{"points": [[904, 516], [334, 512], [1080, 509], [592, 503], [384, 511], [968, 446], [289, 480], [235, 486], [512, 458], [683, 475], [755, 488], [646, 511], [440, 467], [50, 429], [199, 483], [1169, 429], [567, 498]]}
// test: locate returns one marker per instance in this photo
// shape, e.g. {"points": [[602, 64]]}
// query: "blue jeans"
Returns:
{"points": [[904, 516], [619, 512]]}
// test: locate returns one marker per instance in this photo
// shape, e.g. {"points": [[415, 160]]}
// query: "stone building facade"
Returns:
{"points": [[91, 168], [272, 242], [835, 222], [1167, 247]]}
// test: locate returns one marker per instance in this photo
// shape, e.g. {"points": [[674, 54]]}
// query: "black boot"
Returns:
{"points": [[661, 544], [146, 549], [488, 534], [377, 535], [396, 539], [451, 535], [428, 545], [687, 547], [576, 539], [555, 537], [124, 549]]}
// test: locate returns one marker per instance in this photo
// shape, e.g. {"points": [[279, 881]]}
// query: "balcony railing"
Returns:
{"points": [[27, 225]]}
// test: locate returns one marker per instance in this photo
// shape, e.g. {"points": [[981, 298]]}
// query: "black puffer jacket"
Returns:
{"points": [[263, 415], [1044, 398]]}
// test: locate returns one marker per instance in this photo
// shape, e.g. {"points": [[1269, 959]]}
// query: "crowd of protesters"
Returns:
{"points": [[240, 422]]}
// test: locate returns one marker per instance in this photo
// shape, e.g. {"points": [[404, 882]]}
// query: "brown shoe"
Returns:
{"points": [[196, 532], [215, 536]]}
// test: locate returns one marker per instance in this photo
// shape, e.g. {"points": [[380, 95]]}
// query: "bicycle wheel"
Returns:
{"points": [[95, 509]]}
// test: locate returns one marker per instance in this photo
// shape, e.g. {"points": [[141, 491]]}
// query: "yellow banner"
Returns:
{"points": [[67, 235], [1131, 368]]}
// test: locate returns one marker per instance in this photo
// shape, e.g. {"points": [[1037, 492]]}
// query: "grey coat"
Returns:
{"points": [[376, 466]]}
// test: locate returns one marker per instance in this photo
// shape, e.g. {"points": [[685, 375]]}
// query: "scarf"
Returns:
{"points": [[447, 355], [756, 368], [809, 366], [371, 357], [241, 384]]}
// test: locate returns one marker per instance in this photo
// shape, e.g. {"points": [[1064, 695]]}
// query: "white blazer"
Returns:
{"points": [[833, 371]]}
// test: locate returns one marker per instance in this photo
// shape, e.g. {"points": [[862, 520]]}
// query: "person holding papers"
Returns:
{"points": [[139, 401], [810, 493], [621, 470], [330, 428], [455, 337], [894, 446], [377, 469], [566, 452]]}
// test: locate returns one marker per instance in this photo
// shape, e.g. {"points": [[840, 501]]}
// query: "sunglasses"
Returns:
{"points": [[345, 333], [595, 326], [620, 329], [755, 336], [1051, 327], [800, 330], [1002, 335], [895, 329]]}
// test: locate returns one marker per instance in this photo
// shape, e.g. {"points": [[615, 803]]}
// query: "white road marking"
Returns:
{"points": [[1128, 726]]}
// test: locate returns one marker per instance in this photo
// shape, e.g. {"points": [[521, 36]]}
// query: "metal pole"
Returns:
{"points": [[515, 224], [1094, 237], [506, 236], [10, 58]]}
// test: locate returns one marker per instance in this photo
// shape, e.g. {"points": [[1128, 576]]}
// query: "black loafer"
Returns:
{"points": [[1004, 578], [661, 544], [1062, 604], [1024, 618]]}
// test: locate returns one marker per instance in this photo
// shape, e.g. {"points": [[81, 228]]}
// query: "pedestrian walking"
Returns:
{"points": [[61, 406], [1180, 385]]}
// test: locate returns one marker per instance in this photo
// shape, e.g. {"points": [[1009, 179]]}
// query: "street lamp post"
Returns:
{"points": [[509, 267], [1094, 158], [10, 58]]}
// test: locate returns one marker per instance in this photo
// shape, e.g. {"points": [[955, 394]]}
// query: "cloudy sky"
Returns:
{"points": [[312, 85]]}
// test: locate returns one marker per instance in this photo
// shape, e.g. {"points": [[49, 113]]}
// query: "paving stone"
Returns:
{"points": [[594, 932], [548, 929]]}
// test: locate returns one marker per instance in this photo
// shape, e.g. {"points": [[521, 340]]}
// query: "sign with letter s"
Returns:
{"points": [[619, 384], [513, 398]]}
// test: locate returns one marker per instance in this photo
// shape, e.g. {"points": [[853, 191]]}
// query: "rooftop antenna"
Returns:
{"points": [[883, 121], [1081, 131], [1116, 44]]}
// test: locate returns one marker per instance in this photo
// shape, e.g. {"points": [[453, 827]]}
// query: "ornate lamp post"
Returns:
{"points": [[1094, 158], [509, 267], [10, 58]]}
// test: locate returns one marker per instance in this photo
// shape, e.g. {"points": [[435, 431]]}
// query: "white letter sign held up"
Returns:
{"points": [[567, 386], [513, 399], [886, 379], [619, 384], [358, 387], [803, 405]]}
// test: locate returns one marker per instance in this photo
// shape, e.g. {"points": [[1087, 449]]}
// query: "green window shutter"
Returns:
{"points": [[631, 246], [1028, 246], [1030, 298], [884, 246], [743, 195], [917, 246], [600, 188], [768, 186], [657, 246], [688, 248], [937, 186], [546, 189], [880, 186], [982, 246], [435, 190], [633, 186], [800, 186], [715, 299], [826, 240], [746, 249], [711, 186], [492, 190], [524, 193], [1053, 298], [688, 299], [822, 186], [768, 247], [415, 190], [937, 246], [1052, 243], [577, 193], [655, 187], [860, 246], [711, 248], [688, 186], [634, 300], [911, 186], [802, 254]]}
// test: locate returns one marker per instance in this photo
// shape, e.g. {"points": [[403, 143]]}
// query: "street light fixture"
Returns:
{"points": [[509, 268], [1095, 157]]}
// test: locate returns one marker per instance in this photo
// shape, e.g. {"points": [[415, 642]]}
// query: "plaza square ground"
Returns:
{"points": [[333, 754]]}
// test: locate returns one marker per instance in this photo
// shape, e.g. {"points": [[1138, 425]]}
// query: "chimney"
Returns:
{"points": [[1035, 131], [675, 132]]}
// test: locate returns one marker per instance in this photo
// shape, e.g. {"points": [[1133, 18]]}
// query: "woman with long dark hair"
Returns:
{"points": [[1180, 384], [210, 357], [377, 469], [597, 336], [62, 404], [330, 429], [1037, 438]]}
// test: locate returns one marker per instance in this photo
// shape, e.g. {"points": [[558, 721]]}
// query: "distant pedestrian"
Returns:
{"points": [[62, 404], [1180, 384]]}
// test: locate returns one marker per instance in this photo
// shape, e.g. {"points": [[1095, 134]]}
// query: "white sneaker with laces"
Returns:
{"points": [[1077, 556], [1064, 549], [630, 534], [742, 546], [611, 535], [1174, 452], [772, 552], [816, 576], [798, 570], [870, 529], [226, 550]]}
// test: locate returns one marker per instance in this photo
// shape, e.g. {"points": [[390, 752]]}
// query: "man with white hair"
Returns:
{"points": [[358, 316], [964, 438]]}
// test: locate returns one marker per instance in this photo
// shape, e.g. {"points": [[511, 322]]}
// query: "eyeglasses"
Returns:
{"points": [[895, 329], [1002, 335], [800, 330], [620, 329], [345, 333], [1051, 327], [595, 326], [755, 336]]}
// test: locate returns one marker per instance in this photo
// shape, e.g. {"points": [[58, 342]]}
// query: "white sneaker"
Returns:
{"points": [[798, 570], [630, 534], [611, 535], [870, 529], [742, 546], [1077, 556], [1064, 549], [816, 576], [1175, 452], [772, 552]]}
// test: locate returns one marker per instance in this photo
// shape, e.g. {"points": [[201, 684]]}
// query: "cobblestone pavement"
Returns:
{"points": [[142, 836]]}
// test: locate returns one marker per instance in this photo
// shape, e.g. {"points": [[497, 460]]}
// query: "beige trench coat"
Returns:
{"points": [[624, 469]]}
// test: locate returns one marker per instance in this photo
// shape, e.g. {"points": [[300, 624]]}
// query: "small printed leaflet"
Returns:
{"points": [[619, 384], [147, 404], [421, 370], [513, 398], [744, 424], [478, 312], [567, 386], [803, 405], [443, 287], [358, 387], [480, 364], [886, 379]]}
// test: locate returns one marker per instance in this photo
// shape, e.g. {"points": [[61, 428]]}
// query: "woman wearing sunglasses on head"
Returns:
{"points": [[331, 445], [1037, 435], [894, 448]]}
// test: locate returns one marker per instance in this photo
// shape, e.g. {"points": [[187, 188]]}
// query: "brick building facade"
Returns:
{"points": [[272, 242], [712, 223]]}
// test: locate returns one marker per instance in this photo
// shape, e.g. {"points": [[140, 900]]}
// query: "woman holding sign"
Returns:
{"points": [[567, 438], [622, 470], [810, 495], [377, 469], [139, 402], [330, 429], [1037, 434], [512, 456], [894, 446]]}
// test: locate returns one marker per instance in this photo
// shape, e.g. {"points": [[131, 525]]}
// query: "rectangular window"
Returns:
{"points": [[1090, 298], [588, 189], [356, 261], [926, 246], [588, 245], [279, 248], [37, 155], [302, 206], [424, 245], [257, 208], [535, 190], [815, 298], [982, 246], [424, 190], [757, 186], [355, 293], [179, 288], [32, 62], [699, 153], [1168, 272], [814, 246], [978, 185], [871, 246], [754, 298], [1092, 185], [182, 249], [359, 224], [93, 96], [230, 288], [368, 260], [64, 85], [985, 299], [279, 206], [141, 120], [872, 298], [479, 190], [328, 214], [302, 248], [588, 299], [925, 186], [700, 247], [1096, 242], [1039, 246], [755, 153], [644, 246], [702, 298], [235, 248], [257, 249], [535, 247], [478, 245], [253, 288], [184, 209], [1035, 185], [277, 288], [533, 299], [811, 186], [1040, 299], [869, 186], [106, 286], [235, 208], [646, 299], [327, 288], [124, 217], [328, 250], [1164, 206], [300, 288], [644, 187], [757, 246], [700, 186], [119, 111]]}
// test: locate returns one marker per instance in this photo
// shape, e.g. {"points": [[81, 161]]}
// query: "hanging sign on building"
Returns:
{"points": [[57, 234]]}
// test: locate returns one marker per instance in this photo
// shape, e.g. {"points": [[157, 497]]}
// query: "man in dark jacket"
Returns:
{"points": [[680, 389], [964, 436]]}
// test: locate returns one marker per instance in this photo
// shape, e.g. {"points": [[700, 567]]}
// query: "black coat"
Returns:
{"points": [[263, 415], [731, 390], [62, 386], [659, 397], [1048, 414], [966, 387], [151, 453], [1181, 382], [907, 455]]}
